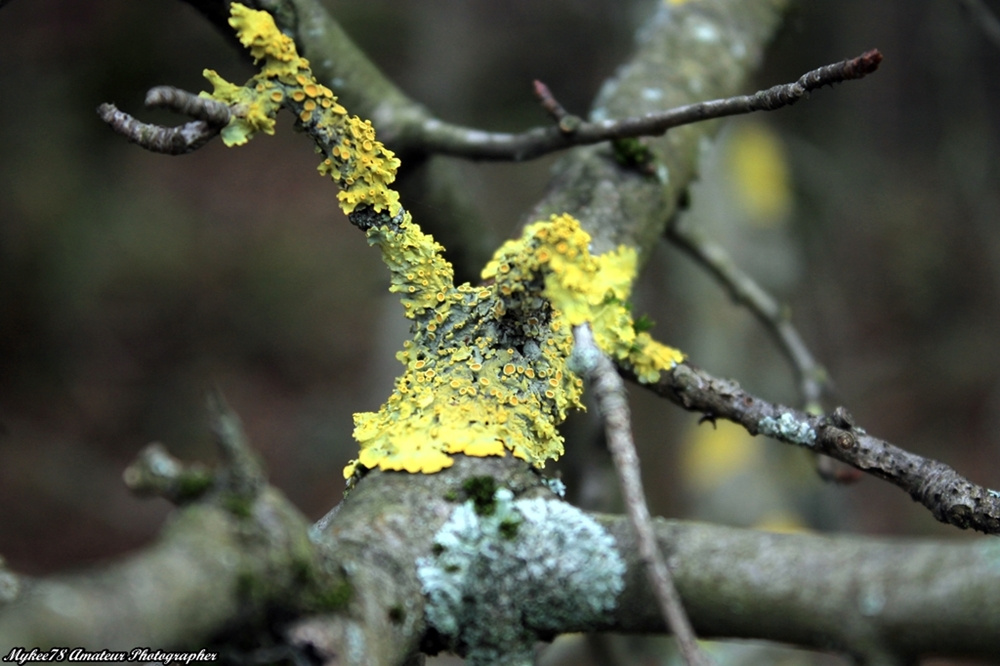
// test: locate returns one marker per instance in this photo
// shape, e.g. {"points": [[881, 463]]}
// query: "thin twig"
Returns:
{"points": [[439, 137], [743, 289], [210, 117], [950, 497], [567, 122], [609, 391], [214, 112]]}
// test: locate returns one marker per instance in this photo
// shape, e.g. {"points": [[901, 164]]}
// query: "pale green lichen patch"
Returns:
{"points": [[786, 427], [498, 581]]}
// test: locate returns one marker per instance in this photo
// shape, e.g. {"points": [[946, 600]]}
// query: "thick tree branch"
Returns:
{"points": [[372, 545], [950, 497], [861, 596], [856, 595], [230, 567]]}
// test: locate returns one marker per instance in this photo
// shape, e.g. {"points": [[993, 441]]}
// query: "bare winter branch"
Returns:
{"points": [[476, 144], [743, 289], [609, 391], [950, 497], [211, 116], [566, 122]]}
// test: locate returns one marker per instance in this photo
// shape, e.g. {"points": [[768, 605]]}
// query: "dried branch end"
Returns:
{"points": [[211, 117], [156, 473], [565, 121], [243, 475]]}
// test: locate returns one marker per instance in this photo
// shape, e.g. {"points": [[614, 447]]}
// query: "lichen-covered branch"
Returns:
{"points": [[950, 497], [855, 595], [486, 370], [410, 127], [212, 117]]}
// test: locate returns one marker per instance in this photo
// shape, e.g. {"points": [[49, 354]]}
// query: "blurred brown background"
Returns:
{"points": [[130, 282]]}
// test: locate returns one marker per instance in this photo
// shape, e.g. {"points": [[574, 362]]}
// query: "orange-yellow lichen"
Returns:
{"points": [[584, 288], [486, 372], [524, 350], [362, 166]]}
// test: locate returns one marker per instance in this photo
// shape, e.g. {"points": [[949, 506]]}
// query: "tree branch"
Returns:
{"points": [[210, 117], [857, 595], [445, 139], [950, 497], [609, 391]]}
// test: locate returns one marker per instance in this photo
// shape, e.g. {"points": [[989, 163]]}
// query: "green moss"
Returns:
{"points": [[193, 483], [238, 505], [397, 615], [643, 324], [508, 528], [332, 598], [251, 588], [480, 489], [632, 152]]}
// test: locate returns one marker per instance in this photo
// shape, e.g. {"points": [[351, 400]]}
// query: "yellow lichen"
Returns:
{"points": [[486, 372], [362, 166], [514, 335]]}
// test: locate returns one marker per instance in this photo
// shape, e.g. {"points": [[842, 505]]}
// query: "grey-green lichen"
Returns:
{"points": [[787, 428], [497, 583]]}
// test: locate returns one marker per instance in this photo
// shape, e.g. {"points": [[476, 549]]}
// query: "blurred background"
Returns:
{"points": [[131, 283]]}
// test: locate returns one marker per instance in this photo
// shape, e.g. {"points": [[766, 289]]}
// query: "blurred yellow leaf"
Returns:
{"points": [[759, 169], [715, 455]]}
